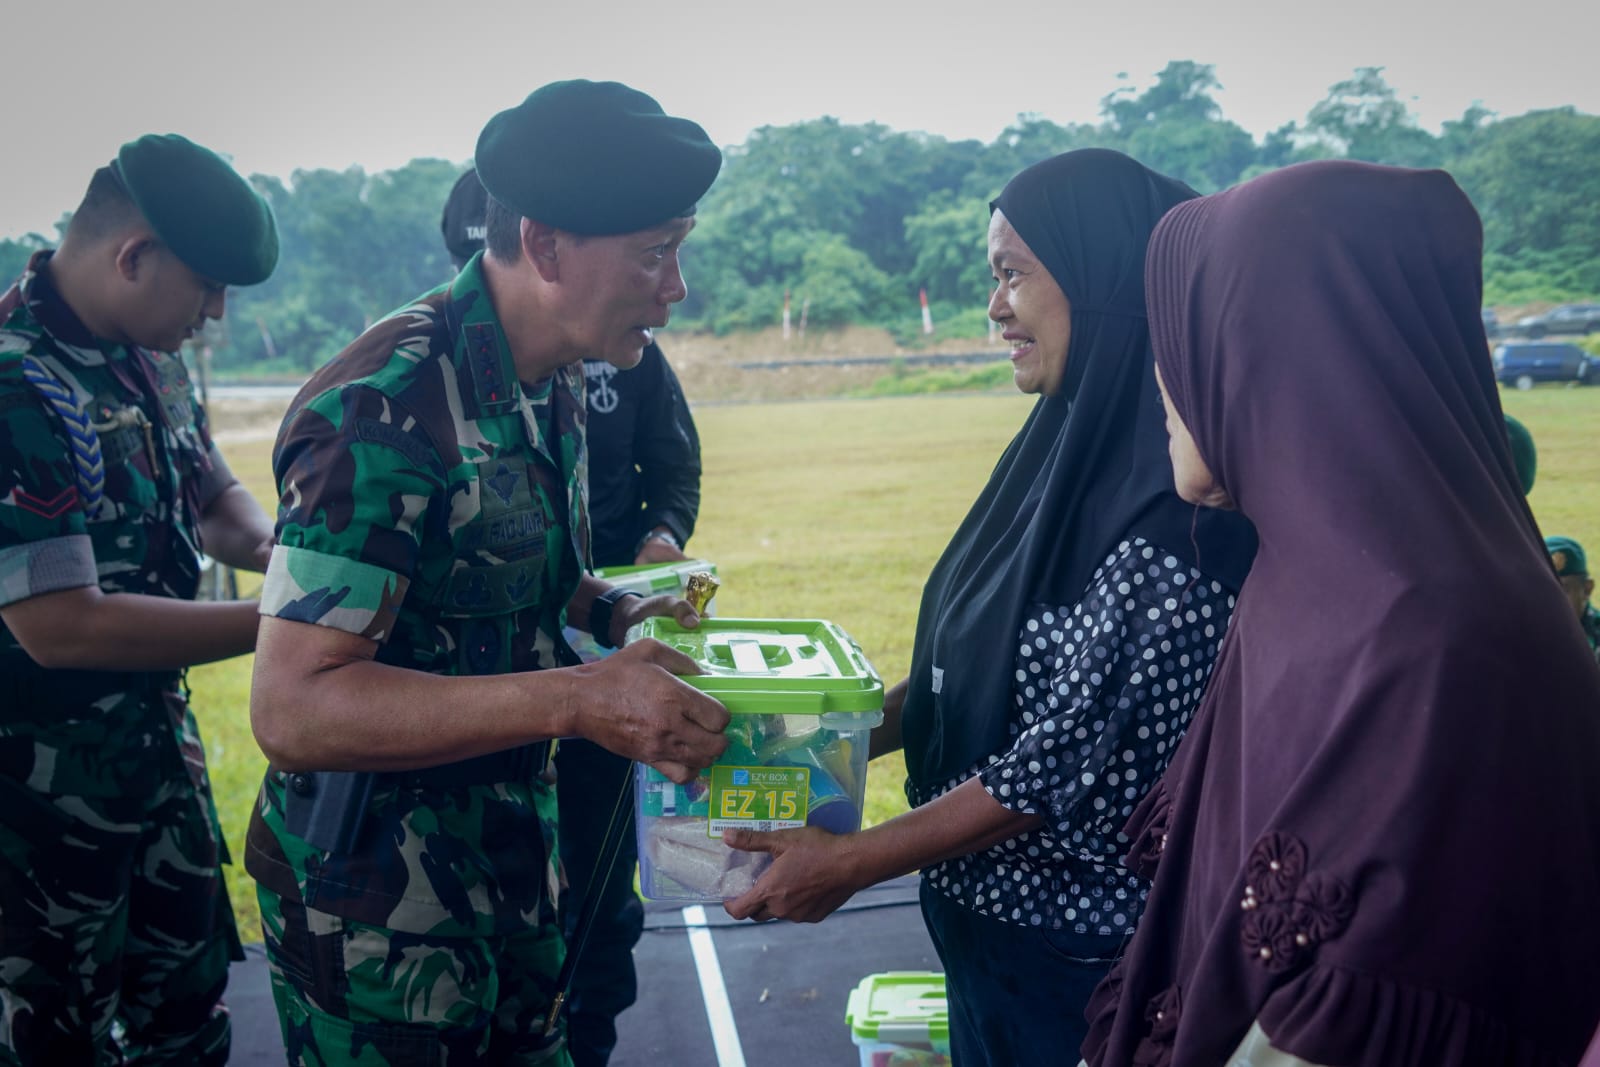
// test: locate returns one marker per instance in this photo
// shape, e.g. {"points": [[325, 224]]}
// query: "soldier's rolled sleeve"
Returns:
{"points": [[357, 478], [44, 543], [46, 567]]}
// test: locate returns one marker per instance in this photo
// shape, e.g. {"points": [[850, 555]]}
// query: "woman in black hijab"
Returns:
{"points": [[1063, 640]]}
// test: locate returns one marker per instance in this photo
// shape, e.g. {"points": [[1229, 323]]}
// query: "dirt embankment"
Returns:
{"points": [[710, 368]]}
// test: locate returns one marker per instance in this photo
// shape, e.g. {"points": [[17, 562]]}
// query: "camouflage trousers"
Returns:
{"points": [[113, 911], [349, 993]]}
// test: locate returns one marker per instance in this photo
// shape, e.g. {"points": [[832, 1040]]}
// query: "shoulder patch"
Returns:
{"points": [[391, 436]]}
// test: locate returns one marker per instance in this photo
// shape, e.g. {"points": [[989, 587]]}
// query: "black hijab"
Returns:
{"points": [[1088, 469]]}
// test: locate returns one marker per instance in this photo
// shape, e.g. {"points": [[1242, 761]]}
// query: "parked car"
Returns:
{"points": [[1522, 363], [1568, 318], [1491, 323]]}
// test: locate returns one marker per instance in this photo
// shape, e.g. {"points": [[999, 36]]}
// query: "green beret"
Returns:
{"points": [[200, 208], [1568, 557], [1523, 455], [595, 158]]}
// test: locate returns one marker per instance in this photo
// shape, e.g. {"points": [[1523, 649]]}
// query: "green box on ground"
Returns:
{"points": [[900, 1019]]}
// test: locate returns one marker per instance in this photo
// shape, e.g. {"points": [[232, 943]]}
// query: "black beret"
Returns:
{"points": [[462, 221], [595, 158], [200, 208]]}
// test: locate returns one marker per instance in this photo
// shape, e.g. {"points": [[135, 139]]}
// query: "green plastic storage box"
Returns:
{"points": [[900, 1019], [803, 701], [650, 579]]}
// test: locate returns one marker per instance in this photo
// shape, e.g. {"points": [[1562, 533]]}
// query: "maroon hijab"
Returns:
{"points": [[1381, 836]]}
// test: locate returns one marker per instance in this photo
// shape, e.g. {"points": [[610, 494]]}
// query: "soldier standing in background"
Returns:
{"points": [[111, 890], [434, 540], [644, 496], [1572, 571]]}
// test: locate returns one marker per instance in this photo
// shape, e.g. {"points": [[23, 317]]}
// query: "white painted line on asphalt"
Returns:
{"points": [[719, 1012]]}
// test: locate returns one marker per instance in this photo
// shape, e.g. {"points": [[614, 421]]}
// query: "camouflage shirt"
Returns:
{"points": [[105, 466], [430, 502]]}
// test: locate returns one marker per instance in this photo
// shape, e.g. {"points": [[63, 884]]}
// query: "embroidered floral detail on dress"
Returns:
{"points": [[1323, 906], [1144, 855], [1289, 911], [1275, 867], [1270, 938], [1155, 1049]]}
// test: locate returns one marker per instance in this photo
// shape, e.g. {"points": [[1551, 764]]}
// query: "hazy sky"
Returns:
{"points": [[288, 83]]}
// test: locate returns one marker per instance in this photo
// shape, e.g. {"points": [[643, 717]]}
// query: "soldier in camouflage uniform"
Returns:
{"points": [[433, 542], [644, 496], [1572, 570], [112, 904]]}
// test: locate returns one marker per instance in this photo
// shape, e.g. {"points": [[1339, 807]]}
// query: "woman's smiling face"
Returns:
{"points": [[1032, 311]]}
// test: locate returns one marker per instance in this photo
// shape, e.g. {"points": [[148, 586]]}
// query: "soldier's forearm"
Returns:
{"points": [[319, 703], [235, 529], [85, 629]]}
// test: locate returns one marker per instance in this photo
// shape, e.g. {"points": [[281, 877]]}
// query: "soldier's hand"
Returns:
{"points": [[630, 611], [636, 706], [656, 550]]}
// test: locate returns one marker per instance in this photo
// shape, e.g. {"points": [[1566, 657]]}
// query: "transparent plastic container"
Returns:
{"points": [[900, 1019], [651, 579], [803, 701]]}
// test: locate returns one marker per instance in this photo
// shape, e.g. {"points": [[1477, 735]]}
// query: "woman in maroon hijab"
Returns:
{"points": [[1379, 843]]}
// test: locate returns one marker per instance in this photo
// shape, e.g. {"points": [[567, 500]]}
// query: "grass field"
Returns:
{"points": [[837, 509]]}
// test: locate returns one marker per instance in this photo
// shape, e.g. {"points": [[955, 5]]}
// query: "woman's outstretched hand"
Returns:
{"points": [[813, 872]]}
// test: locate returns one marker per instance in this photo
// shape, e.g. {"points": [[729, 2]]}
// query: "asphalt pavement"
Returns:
{"points": [[712, 992]]}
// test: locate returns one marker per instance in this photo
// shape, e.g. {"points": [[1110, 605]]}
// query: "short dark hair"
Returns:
{"points": [[106, 207], [502, 231]]}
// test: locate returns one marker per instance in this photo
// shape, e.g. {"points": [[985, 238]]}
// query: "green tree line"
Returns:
{"points": [[851, 221]]}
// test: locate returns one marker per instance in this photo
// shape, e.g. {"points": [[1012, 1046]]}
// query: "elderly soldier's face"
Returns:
{"points": [[172, 302], [621, 289]]}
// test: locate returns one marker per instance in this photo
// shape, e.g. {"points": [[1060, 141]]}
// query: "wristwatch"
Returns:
{"points": [[658, 534], [600, 615]]}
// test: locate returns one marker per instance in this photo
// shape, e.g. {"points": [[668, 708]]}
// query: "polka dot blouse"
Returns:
{"points": [[1103, 690]]}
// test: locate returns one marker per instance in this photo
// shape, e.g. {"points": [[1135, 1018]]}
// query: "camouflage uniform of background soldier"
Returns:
{"points": [[432, 505], [1572, 570], [112, 903]]}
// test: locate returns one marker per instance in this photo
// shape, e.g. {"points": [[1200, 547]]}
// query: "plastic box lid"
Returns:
{"points": [[774, 666], [652, 579], [900, 1007]]}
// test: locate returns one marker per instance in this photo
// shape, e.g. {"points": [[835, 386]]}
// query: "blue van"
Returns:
{"points": [[1522, 363]]}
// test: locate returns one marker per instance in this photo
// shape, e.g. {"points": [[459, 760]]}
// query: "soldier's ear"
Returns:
{"points": [[539, 248], [132, 255]]}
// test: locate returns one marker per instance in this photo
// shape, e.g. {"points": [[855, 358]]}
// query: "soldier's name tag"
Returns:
{"points": [[508, 535]]}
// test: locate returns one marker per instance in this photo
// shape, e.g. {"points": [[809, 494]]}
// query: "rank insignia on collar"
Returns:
{"points": [[489, 385]]}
